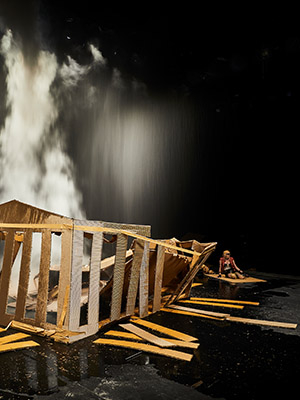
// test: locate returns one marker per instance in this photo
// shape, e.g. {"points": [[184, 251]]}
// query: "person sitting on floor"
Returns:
{"points": [[229, 267]]}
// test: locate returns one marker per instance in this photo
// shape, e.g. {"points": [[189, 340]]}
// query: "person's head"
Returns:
{"points": [[226, 254]]}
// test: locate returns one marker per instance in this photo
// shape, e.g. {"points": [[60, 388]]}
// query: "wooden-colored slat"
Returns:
{"points": [[76, 281], [17, 346], [93, 304], [147, 348], [144, 283], [134, 277], [6, 274], [159, 269], [167, 331], [149, 337], [64, 272], [118, 278], [24, 276], [176, 342], [191, 314], [197, 311], [42, 297], [209, 303], [262, 322], [252, 303], [12, 338]]}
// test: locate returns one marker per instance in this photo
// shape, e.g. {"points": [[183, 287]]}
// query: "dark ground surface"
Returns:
{"points": [[234, 360]]}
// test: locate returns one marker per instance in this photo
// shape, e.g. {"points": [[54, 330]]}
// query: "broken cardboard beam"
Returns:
{"points": [[177, 343], [149, 337], [262, 322], [251, 303], [147, 348], [163, 329], [208, 303], [197, 311]]}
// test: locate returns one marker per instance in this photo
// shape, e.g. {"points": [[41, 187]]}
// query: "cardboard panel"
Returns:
{"points": [[93, 306], [158, 278], [144, 282], [6, 273], [134, 277], [118, 279], [24, 276], [42, 297]]}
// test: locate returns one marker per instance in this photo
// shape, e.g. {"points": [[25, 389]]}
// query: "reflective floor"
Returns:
{"points": [[233, 361]]}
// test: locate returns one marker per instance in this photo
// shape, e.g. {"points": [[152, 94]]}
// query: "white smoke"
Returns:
{"points": [[35, 167]]}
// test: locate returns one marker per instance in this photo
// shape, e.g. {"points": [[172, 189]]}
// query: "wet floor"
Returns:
{"points": [[233, 361]]}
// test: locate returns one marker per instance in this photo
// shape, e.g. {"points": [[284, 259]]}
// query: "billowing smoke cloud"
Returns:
{"points": [[34, 165]]}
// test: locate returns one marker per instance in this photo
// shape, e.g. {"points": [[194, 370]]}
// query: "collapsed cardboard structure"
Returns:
{"points": [[150, 275]]}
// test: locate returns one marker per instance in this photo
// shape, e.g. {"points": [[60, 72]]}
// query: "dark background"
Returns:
{"points": [[238, 68]]}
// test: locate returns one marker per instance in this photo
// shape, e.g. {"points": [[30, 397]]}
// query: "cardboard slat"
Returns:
{"points": [[64, 272], [134, 276], [197, 311], [147, 348], [144, 283], [93, 305], [118, 278], [159, 269], [24, 276], [17, 346], [42, 297], [252, 303], [262, 322], [167, 331], [6, 273], [146, 335], [209, 303]]}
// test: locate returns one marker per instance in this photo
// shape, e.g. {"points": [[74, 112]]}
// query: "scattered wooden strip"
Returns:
{"points": [[191, 314], [12, 338], [127, 335], [163, 329], [262, 322], [17, 345], [197, 284], [146, 335], [149, 348], [197, 311], [208, 303], [251, 303], [26, 327]]}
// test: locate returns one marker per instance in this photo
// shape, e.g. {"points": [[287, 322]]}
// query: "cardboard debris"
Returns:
{"points": [[146, 347], [209, 303], [149, 337], [85, 297]]}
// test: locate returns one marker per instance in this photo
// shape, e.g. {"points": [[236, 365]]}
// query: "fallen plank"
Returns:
{"points": [[208, 303], [17, 345], [197, 311], [197, 284], [26, 327], [163, 329], [251, 303], [127, 335], [191, 314], [263, 322], [146, 335], [12, 338], [149, 348], [248, 279]]}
